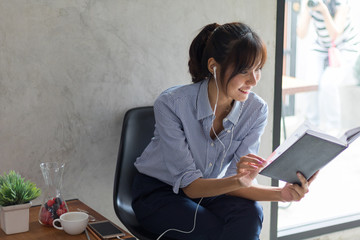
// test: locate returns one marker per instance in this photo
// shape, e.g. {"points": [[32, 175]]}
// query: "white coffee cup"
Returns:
{"points": [[72, 222]]}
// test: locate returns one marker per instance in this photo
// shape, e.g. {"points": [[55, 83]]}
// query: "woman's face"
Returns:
{"points": [[239, 87]]}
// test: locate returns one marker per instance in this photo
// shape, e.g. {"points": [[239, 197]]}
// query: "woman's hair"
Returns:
{"points": [[232, 45]]}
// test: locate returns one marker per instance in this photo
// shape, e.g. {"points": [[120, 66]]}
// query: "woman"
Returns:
{"points": [[331, 59], [195, 177]]}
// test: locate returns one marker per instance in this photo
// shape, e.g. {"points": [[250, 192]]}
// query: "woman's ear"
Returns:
{"points": [[211, 64]]}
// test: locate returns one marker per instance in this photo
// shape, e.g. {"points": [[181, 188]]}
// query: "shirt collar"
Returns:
{"points": [[235, 112], [203, 105], [204, 109]]}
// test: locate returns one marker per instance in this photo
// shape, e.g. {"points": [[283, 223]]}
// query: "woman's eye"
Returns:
{"points": [[246, 71]]}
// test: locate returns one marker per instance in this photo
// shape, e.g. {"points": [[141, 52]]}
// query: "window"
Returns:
{"points": [[332, 203]]}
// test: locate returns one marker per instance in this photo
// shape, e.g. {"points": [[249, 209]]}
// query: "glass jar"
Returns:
{"points": [[53, 205]]}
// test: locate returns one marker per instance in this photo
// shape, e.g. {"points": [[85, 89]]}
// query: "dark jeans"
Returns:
{"points": [[224, 217]]}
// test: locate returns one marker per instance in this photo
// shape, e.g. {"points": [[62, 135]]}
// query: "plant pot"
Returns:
{"points": [[15, 218]]}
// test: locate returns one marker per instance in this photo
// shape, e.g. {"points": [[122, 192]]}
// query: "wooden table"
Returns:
{"points": [[291, 86], [40, 232]]}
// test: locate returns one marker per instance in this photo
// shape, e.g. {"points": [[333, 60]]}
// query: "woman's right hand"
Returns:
{"points": [[248, 168]]}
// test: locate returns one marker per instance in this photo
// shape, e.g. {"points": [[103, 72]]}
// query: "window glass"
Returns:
{"points": [[321, 85]]}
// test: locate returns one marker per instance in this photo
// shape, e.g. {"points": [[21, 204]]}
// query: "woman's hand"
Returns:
{"points": [[294, 192], [320, 7], [248, 168]]}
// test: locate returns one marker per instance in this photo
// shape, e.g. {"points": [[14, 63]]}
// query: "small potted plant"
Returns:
{"points": [[15, 200]]}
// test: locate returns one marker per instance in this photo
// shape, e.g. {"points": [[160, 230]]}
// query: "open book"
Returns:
{"points": [[306, 151]]}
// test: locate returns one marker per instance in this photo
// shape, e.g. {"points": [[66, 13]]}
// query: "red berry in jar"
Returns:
{"points": [[50, 202]]}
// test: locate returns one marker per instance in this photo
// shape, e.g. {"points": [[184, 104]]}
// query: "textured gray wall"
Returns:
{"points": [[69, 69]]}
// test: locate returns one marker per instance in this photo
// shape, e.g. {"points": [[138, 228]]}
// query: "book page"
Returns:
{"points": [[350, 135], [328, 137]]}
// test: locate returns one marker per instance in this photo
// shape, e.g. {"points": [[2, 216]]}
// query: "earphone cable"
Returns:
{"points": [[225, 151], [182, 231]]}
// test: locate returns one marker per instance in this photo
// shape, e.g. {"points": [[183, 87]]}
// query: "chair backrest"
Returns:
{"points": [[137, 131]]}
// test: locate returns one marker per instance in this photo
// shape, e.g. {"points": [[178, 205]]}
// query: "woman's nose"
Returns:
{"points": [[253, 78]]}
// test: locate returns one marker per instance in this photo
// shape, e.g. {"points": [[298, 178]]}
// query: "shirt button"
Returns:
{"points": [[212, 144], [229, 131], [210, 164], [225, 119]]}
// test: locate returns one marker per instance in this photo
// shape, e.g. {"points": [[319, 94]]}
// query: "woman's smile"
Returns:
{"points": [[244, 91]]}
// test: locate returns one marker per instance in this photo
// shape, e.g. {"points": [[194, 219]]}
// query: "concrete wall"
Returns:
{"points": [[69, 69]]}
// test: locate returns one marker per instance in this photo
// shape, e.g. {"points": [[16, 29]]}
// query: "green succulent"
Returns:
{"points": [[15, 190]]}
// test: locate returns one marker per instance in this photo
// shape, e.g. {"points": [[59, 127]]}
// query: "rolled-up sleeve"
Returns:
{"points": [[251, 141], [175, 150]]}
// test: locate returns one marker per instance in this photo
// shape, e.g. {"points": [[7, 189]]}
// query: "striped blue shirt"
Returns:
{"points": [[182, 150]]}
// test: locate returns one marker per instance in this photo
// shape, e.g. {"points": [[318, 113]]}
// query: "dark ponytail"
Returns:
{"points": [[197, 68]]}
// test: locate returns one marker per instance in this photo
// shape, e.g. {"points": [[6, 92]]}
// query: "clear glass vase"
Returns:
{"points": [[53, 205]]}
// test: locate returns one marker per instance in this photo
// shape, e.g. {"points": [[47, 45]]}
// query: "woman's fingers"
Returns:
{"points": [[248, 168], [300, 190], [251, 161], [312, 178], [256, 157], [295, 192], [302, 179]]}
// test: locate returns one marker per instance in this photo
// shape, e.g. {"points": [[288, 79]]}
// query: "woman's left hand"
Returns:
{"points": [[294, 192]]}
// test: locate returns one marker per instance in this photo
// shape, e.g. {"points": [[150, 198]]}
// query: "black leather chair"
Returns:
{"points": [[137, 131]]}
